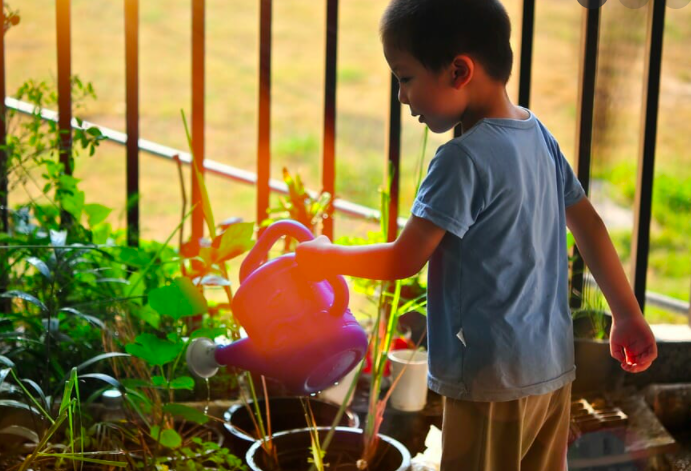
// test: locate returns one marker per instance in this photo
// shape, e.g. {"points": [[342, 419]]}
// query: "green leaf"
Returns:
{"points": [[210, 333], [135, 383], [188, 413], [153, 350], [26, 297], [19, 431], [137, 286], [167, 437], [148, 315], [94, 131], [40, 266], [74, 204], [105, 378], [179, 299], [96, 213], [183, 382], [6, 361], [67, 391], [102, 356], [159, 381], [3, 374], [134, 257], [17, 405], [90, 319], [236, 240], [198, 172]]}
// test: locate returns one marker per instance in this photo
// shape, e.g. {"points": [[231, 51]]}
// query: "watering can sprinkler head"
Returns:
{"points": [[200, 358]]}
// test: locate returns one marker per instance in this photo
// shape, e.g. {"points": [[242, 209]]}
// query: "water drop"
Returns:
{"points": [[208, 396]]}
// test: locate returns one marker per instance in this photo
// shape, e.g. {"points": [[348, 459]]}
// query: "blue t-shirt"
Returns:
{"points": [[499, 324]]}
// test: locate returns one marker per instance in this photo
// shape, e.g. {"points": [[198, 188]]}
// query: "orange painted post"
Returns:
{"points": [[132, 117], [264, 132], [393, 157], [329, 143], [198, 76]]}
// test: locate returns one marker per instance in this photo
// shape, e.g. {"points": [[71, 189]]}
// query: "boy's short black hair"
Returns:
{"points": [[436, 31]]}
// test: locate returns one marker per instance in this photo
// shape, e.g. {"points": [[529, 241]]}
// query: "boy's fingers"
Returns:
{"points": [[618, 354]]}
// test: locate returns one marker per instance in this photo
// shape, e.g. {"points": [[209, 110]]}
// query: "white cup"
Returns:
{"points": [[410, 393]]}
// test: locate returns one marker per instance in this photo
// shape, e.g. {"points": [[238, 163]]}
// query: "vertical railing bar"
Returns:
{"points": [[394, 157], [64, 82], [5, 303], [527, 37], [329, 143], [264, 132], [590, 36], [132, 118], [4, 160], [198, 76], [640, 243]]}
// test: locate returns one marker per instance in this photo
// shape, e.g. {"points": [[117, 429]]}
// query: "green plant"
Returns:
{"points": [[390, 305], [300, 206], [213, 456], [11, 17], [57, 426]]}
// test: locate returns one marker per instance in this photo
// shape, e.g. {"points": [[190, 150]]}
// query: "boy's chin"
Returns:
{"points": [[438, 128]]}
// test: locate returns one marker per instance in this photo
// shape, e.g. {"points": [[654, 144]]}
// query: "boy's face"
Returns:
{"points": [[432, 96]]}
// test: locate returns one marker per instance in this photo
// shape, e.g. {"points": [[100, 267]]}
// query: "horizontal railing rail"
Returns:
{"points": [[585, 123], [662, 301], [227, 171]]}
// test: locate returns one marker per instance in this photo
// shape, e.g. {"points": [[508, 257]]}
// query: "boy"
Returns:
{"points": [[491, 218]]}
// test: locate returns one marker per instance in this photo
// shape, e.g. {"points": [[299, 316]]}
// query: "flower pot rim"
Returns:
{"points": [[392, 355], [352, 417], [405, 453]]}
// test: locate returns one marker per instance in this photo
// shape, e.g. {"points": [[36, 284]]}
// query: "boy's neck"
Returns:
{"points": [[490, 101]]}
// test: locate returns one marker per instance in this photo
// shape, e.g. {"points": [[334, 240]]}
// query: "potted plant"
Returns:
{"points": [[317, 448], [596, 370]]}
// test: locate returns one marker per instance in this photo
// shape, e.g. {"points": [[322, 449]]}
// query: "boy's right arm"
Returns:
{"points": [[631, 340], [389, 261]]}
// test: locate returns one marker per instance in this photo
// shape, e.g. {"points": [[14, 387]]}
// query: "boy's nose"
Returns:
{"points": [[402, 96]]}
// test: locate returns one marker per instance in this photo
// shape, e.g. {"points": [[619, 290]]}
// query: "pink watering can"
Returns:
{"points": [[299, 331]]}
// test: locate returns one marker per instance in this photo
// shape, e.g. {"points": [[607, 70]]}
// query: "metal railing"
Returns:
{"points": [[584, 131], [243, 176]]}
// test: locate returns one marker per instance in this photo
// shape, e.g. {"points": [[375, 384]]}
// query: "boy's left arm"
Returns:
{"points": [[631, 340], [402, 258]]}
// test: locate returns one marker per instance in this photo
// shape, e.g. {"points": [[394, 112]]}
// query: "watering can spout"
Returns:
{"points": [[204, 357]]}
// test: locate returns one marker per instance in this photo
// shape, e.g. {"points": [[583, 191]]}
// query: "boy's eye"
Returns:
{"points": [[404, 80]]}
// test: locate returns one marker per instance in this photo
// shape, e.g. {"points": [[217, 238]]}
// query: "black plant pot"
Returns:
{"points": [[286, 414], [596, 370], [345, 450]]}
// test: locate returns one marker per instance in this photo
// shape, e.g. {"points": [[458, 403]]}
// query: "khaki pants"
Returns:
{"points": [[528, 434]]}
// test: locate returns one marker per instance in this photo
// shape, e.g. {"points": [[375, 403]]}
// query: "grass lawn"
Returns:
{"points": [[362, 94]]}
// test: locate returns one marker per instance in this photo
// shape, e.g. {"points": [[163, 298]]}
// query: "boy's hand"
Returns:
{"points": [[632, 343], [310, 257]]}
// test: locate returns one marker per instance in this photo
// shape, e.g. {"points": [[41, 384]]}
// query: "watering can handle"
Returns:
{"points": [[300, 233]]}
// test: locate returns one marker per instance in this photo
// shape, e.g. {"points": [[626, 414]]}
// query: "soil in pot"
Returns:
{"points": [[286, 414], [345, 450]]}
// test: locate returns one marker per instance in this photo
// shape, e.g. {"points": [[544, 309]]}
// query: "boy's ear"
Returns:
{"points": [[462, 69]]}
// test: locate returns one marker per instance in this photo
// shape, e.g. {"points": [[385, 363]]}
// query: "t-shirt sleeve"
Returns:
{"points": [[573, 190], [451, 195]]}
